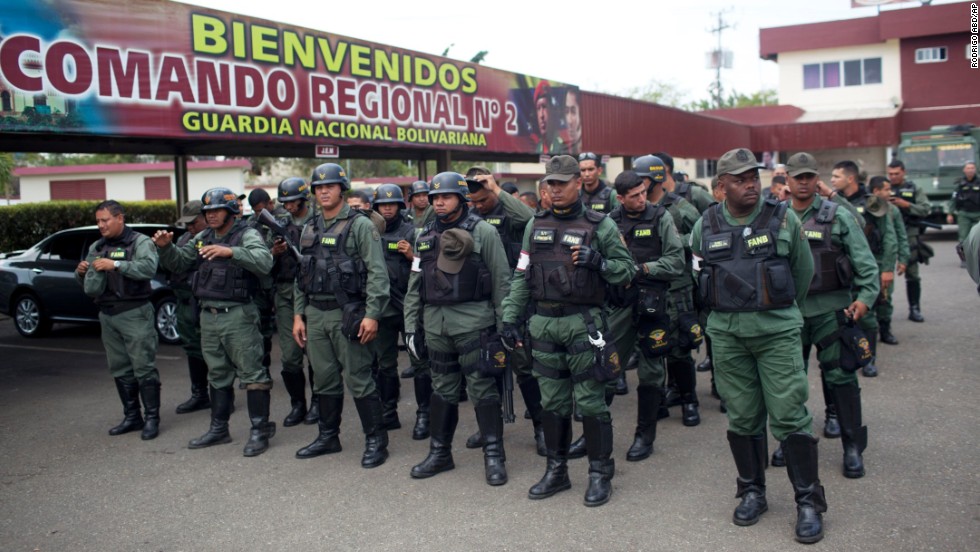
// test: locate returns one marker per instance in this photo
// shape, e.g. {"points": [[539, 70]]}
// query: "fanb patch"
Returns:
{"points": [[643, 232], [757, 241], [571, 239], [119, 254]]}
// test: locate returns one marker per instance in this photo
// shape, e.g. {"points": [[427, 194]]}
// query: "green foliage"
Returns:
{"points": [[736, 99], [663, 93], [6, 174], [21, 226], [666, 93]]}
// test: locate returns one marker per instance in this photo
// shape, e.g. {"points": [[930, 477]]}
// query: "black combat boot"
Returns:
{"points": [[801, 466], [295, 384], [313, 414], [221, 400], [557, 434], [445, 416], [854, 435], [475, 440], [914, 291], [423, 393], [328, 439], [870, 370], [490, 419], [578, 448], [686, 378], [622, 388], [531, 393], [885, 331], [198, 370], [129, 394], [704, 365], [389, 389], [778, 459], [150, 393], [598, 439], [262, 429], [375, 435], [408, 373], [831, 426], [749, 452], [648, 401]]}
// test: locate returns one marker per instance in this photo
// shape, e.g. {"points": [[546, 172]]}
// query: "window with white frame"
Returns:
{"points": [[930, 55], [834, 74]]}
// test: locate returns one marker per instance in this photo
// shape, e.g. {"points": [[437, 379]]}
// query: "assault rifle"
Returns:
{"points": [[266, 219]]}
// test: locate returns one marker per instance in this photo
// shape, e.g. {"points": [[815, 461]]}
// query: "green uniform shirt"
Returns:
{"points": [[685, 215], [143, 266], [590, 198], [427, 216], [363, 242], [471, 316], [919, 208], [790, 243], [251, 254], [701, 199], [901, 236], [845, 233], [971, 250], [951, 203], [518, 213], [620, 268]]}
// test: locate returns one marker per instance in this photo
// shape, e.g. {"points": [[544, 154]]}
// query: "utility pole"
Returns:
{"points": [[719, 60]]}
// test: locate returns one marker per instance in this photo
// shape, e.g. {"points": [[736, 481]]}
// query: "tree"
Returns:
{"points": [[663, 93], [7, 175], [736, 99]]}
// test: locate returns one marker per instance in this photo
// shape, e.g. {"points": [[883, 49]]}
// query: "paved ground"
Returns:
{"points": [[66, 485]]}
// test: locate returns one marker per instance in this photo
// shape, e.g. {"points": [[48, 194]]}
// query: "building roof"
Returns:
{"points": [[758, 115], [131, 167], [902, 23]]}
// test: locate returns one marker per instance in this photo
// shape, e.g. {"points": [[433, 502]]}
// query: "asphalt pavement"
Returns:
{"points": [[65, 484]]}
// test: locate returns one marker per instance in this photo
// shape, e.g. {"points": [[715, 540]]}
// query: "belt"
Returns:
{"points": [[220, 310], [325, 304], [560, 310]]}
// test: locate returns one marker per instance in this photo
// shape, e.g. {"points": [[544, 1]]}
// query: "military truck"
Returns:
{"points": [[934, 160]]}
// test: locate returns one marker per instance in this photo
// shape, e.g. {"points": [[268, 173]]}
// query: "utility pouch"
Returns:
{"points": [[350, 321], [689, 331], [493, 356]]}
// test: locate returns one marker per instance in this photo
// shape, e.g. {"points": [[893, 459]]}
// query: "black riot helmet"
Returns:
{"points": [[330, 173], [651, 167], [418, 187], [220, 198], [388, 193], [449, 183], [293, 188]]}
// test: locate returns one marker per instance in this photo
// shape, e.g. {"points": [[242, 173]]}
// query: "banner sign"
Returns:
{"points": [[159, 69]]}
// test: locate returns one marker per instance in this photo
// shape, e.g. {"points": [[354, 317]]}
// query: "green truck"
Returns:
{"points": [[934, 159]]}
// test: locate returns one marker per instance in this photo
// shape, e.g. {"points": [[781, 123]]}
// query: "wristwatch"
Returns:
{"points": [[116, 264]]}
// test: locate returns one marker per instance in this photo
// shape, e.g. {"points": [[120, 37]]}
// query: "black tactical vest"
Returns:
{"points": [[742, 271], [287, 267], [683, 189], [907, 192], [473, 283], [512, 244], [645, 244], [601, 201], [182, 280], [399, 268], [118, 287], [325, 267], [219, 279], [831, 265], [968, 194], [871, 230], [551, 275]]}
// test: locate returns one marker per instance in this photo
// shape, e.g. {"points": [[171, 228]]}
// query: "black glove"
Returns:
{"points": [[511, 335], [590, 259]]}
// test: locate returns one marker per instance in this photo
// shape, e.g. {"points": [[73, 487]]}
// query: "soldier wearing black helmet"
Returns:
{"points": [[459, 279], [259, 200], [396, 242], [229, 258], [293, 194], [342, 288], [420, 212]]}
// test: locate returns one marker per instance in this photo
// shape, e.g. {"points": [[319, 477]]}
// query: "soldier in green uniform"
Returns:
{"points": [[842, 262], [754, 267], [509, 216], [638, 311], [229, 257], [420, 212], [459, 279], [342, 288], [188, 314], [293, 194], [889, 221], [696, 195], [596, 194], [569, 254], [964, 206], [258, 200], [685, 327], [396, 242], [117, 273], [885, 308], [911, 200]]}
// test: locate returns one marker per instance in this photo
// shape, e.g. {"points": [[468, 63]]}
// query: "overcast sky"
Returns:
{"points": [[614, 46]]}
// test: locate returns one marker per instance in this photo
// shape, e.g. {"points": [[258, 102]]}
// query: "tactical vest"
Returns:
{"points": [[326, 268], [742, 271], [645, 244], [831, 266], [512, 244], [182, 280], [552, 276], [601, 201], [472, 283], [118, 287], [871, 230], [907, 192], [219, 279], [683, 189], [968, 194], [287, 267], [399, 268]]}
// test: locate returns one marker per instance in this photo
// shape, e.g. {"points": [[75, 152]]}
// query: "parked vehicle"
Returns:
{"points": [[934, 159], [38, 287]]}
